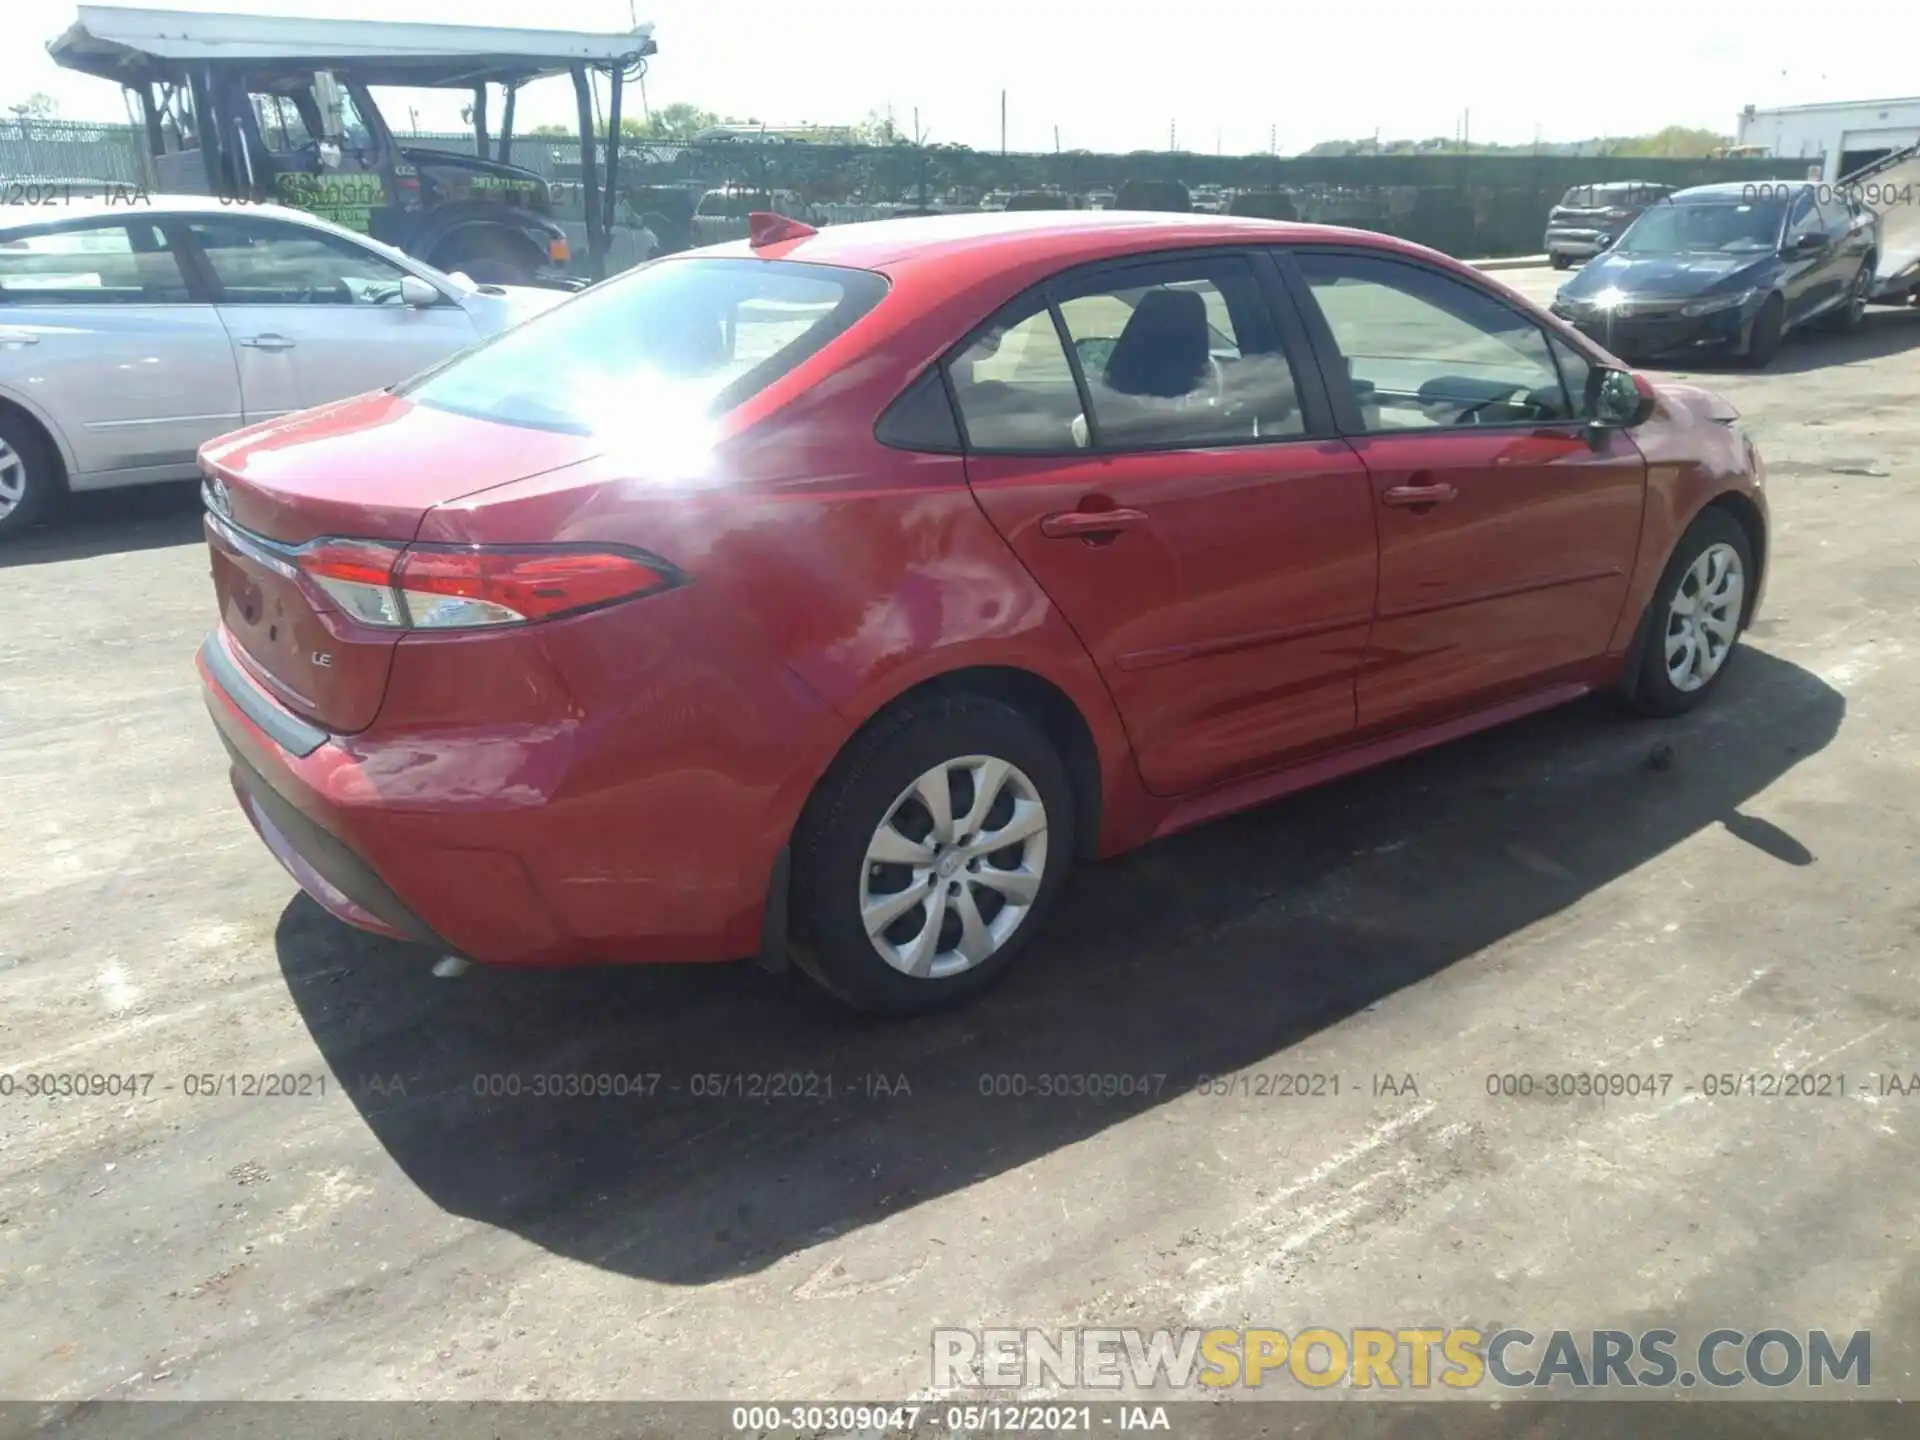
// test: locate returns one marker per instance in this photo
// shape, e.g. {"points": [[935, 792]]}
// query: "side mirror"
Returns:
{"points": [[1620, 400], [1606, 242], [417, 294], [1807, 245]]}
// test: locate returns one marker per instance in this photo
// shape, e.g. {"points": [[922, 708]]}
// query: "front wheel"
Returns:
{"points": [[1696, 615], [931, 855], [1560, 262], [1769, 327], [1853, 310]]}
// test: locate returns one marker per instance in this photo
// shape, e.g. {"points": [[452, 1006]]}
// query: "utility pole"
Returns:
{"points": [[1466, 130], [1003, 122], [1173, 135], [1273, 139], [1056, 139]]}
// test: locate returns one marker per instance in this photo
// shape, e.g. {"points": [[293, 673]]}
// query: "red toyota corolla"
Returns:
{"points": [[822, 597]]}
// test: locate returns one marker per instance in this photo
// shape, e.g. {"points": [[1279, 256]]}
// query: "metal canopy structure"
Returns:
{"points": [[143, 49], [134, 47]]}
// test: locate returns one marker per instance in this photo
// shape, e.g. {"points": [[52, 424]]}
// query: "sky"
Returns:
{"points": [[1236, 76]]}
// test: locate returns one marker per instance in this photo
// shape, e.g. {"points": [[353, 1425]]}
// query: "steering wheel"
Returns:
{"points": [[1471, 415], [1216, 388]]}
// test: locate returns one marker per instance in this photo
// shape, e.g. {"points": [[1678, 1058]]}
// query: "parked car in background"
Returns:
{"points": [[722, 214], [132, 333], [1733, 267], [825, 596], [1589, 218]]}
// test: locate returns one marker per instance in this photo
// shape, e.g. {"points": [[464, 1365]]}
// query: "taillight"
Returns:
{"points": [[358, 574], [467, 587], [1617, 214]]}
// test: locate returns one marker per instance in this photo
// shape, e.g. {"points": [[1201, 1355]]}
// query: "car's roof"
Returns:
{"points": [[1019, 235]]}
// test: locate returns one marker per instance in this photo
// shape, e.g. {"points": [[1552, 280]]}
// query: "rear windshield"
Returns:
{"points": [[1592, 197], [672, 338]]}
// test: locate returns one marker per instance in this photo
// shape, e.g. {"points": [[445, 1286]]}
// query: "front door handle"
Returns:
{"points": [[1085, 524], [268, 342], [1416, 496]]}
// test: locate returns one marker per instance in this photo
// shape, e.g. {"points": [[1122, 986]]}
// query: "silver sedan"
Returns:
{"points": [[132, 332]]}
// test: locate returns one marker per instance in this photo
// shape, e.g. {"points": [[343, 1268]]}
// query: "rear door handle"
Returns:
{"points": [[1080, 524], [268, 342], [1419, 495]]}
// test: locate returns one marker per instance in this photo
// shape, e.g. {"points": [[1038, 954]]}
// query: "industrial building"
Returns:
{"points": [[1837, 138]]}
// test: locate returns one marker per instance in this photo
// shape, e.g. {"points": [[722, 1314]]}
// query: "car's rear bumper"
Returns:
{"points": [[319, 808], [1581, 244], [526, 841], [337, 879]]}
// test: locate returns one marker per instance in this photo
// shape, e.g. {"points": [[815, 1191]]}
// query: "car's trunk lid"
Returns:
{"points": [[275, 491]]}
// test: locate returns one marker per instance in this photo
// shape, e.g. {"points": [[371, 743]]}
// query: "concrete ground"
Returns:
{"points": [[1537, 900]]}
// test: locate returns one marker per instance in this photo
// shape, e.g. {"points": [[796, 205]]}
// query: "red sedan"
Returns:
{"points": [[822, 597]]}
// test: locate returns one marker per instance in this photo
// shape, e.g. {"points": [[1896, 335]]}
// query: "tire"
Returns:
{"points": [[1559, 261], [1769, 328], [32, 480], [1714, 536], [489, 260], [1847, 318], [871, 798]]}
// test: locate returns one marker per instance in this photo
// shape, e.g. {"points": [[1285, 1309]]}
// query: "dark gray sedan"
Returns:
{"points": [[1589, 218]]}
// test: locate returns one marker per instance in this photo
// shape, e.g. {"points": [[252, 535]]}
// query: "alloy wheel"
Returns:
{"points": [[1703, 619], [13, 479], [954, 867]]}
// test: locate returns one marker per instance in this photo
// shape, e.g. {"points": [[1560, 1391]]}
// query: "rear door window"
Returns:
{"points": [[111, 263], [1181, 353], [1015, 388], [665, 345]]}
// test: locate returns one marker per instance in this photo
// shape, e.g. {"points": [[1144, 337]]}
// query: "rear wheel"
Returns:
{"points": [[31, 482], [1560, 262], [1769, 327], [1696, 614], [931, 855]]}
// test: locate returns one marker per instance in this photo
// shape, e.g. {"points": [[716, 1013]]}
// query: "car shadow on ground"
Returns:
{"points": [[1201, 954], [111, 522], [1884, 331]]}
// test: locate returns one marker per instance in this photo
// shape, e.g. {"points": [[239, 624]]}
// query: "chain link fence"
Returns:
{"points": [[71, 150], [1469, 205]]}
